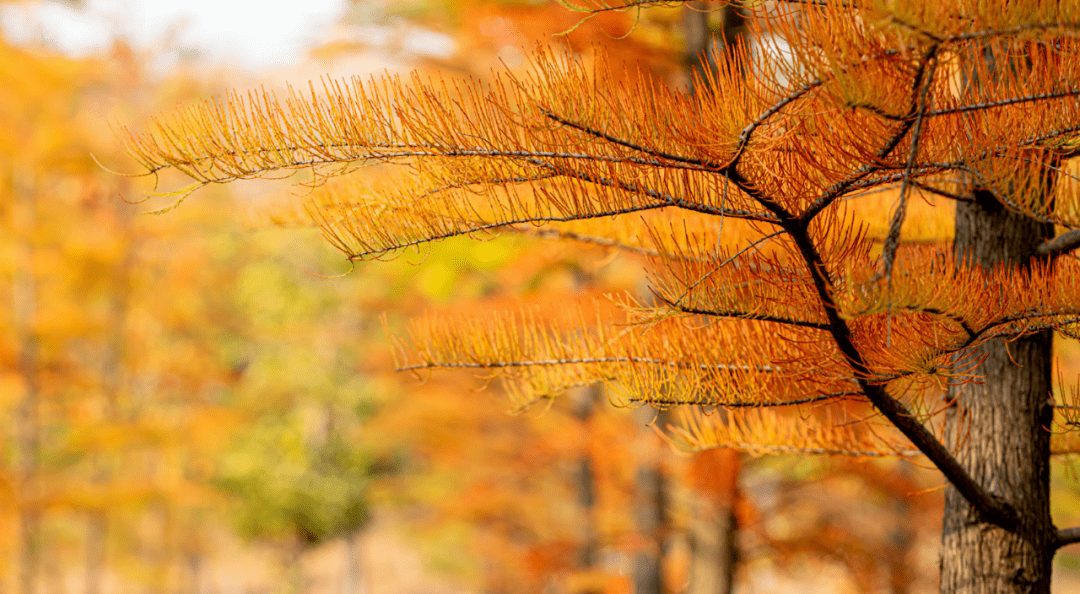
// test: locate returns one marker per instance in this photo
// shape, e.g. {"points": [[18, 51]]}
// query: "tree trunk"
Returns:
{"points": [[584, 478], [700, 37], [715, 476], [96, 539], [28, 420], [998, 429], [650, 505], [354, 577], [649, 514], [97, 520]]}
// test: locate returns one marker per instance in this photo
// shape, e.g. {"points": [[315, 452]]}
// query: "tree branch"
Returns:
{"points": [[586, 361], [741, 315], [892, 240], [860, 173], [1066, 536], [698, 163], [660, 401], [1060, 245], [990, 507]]}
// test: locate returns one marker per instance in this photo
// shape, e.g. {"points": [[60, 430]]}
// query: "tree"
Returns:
{"points": [[803, 277]]}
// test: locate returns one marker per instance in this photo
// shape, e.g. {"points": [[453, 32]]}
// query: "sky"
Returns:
{"points": [[253, 34]]}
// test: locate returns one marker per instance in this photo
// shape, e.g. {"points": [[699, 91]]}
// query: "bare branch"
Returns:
{"points": [[1060, 245], [1066, 536]]}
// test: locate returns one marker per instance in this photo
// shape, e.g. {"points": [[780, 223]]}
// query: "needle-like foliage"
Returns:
{"points": [[793, 214]]}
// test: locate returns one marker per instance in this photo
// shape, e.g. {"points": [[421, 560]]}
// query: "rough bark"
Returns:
{"points": [[998, 430]]}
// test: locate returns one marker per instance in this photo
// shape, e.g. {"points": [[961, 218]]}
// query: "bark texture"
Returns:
{"points": [[998, 430]]}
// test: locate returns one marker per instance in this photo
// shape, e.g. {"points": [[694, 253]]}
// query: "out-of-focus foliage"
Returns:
{"points": [[294, 489], [145, 360], [493, 34], [114, 375]]}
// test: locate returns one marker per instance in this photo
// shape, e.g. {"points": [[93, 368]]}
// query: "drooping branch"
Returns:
{"points": [[992, 508]]}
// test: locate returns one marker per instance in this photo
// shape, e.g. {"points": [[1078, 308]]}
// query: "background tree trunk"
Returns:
{"points": [[28, 423], [650, 504], [584, 477], [649, 516], [713, 555], [354, 577], [702, 23], [998, 429]]}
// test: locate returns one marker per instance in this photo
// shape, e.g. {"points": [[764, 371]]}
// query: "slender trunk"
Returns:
{"points": [[28, 421], [701, 37], [649, 516], [354, 576], [97, 520], [195, 571], [294, 566], [715, 476], [584, 478], [650, 505], [902, 538], [999, 429], [96, 537]]}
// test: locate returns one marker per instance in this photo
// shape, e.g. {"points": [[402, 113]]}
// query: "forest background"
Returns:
{"points": [[190, 407]]}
